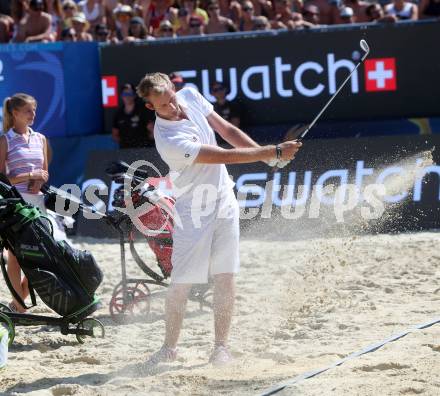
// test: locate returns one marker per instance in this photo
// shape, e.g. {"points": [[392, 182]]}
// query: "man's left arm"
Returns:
{"points": [[233, 135]]}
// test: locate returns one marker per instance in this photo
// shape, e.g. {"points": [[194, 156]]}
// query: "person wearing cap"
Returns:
{"points": [[359, 10], [80, 25], [69, 10], [36, 25], [133, 123], [123, 15], [260, 23], [346, 16], [94, 12], [101, 33], [217, 23], [165, 30]]}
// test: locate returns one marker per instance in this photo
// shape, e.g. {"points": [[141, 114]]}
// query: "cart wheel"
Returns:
{"points": [[135, 305], [201, 294], [4, 308], [4, 319], [92, 324]]}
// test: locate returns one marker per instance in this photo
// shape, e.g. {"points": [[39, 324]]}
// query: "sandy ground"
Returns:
{"points": [[300, 306]]}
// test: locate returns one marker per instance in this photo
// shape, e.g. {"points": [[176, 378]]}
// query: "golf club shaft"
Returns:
{"points": [[310, 126]]}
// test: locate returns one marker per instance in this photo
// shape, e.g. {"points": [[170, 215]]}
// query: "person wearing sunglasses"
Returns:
{"points": [[217, 23], [133, 123], [165, 30]]}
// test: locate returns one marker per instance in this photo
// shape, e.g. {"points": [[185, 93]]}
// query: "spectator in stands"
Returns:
{"points": [[69, 10], [346, 16], [137, 30], [123, 15], [54, 8], [230, 111], [165, 30], [158, 11], [429, 8], [194, 10], [177, 80], [102, 33], [19, 9], [402, 10], [261, 23], [284, 16], [80, 25], [358, 8], [94, 11], [328, 10], [68, 35], [247, 18], [35, 26], [232, 9], [217, 23], [133, 123], [264, 7], [310, 14], [375, 13], [183, 22], [6, 28], [196, 26]]}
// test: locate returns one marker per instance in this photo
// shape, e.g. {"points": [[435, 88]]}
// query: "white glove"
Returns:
{"points": [[281, 164]]}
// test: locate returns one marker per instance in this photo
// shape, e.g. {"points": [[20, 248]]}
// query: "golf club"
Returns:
{"points": [[365, 47]]}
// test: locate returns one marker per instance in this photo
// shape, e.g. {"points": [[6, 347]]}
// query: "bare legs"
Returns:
{"points": [[224, 295], [20, 285]]}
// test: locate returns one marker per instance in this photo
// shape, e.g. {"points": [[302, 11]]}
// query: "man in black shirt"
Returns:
{"points": [[133, 123], [230, 111]]}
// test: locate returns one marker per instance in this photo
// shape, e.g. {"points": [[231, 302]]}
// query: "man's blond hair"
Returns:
{"points": [[153, 83]]}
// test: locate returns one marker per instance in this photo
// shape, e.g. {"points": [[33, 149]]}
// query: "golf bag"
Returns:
{"points": [[65, 278]]}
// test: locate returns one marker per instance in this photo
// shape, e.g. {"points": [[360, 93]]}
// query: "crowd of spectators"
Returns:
{"points": [[135, 20]]}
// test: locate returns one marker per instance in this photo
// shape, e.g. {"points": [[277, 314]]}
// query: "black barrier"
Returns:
{"points": [[288, 76], [402, 163]]}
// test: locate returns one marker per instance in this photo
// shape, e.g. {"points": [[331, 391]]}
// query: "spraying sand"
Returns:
{"points": [[300, 306]]}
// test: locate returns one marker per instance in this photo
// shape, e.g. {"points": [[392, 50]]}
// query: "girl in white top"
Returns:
{"points": [[93, 10], [23, 159]]}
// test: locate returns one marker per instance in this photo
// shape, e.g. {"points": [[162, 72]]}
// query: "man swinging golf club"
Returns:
{"points": [[206, 242]]}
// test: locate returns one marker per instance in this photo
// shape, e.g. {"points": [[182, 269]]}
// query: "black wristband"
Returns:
{"points": [[278, 151]]}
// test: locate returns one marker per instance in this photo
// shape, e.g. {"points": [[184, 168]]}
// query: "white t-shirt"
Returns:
{"points": [[179, 142]]}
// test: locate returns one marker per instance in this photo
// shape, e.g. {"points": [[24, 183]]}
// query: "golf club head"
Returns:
{"points": [[365, 47]]}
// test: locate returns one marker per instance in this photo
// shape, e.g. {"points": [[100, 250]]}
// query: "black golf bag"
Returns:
{"points": [[65, 278]]}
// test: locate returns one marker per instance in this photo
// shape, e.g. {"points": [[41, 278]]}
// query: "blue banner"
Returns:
{"points": [[65, 80]]}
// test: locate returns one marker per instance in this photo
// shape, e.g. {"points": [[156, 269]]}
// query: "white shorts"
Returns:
{"points": [[200, 252]]}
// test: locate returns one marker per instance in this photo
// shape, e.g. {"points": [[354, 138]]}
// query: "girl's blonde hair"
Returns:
{"points": [[12, 103]]}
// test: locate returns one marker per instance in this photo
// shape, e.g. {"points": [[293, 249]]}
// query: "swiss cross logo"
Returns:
{"points": [[380, 74], [109, 86]]}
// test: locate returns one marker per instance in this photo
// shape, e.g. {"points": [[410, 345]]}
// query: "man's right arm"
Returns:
{"points": [[216, 155]]}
